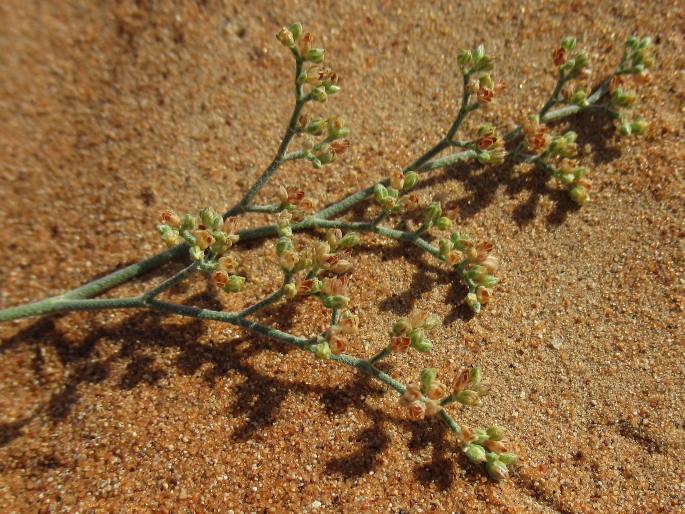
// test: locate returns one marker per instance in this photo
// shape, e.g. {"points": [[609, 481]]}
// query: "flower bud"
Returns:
{"points": [[285, 37], [428, 376], [196, 253], [290, 291], [399, 344], [210, 219], [322, 351], [475, 375], [436, 391], [336, 128], [316, 126], [495, 433], [568, 43], [296, 30], [496, 469], [349, 240], [473, 303], [423, 346], [417, 410], [416, 336], [319, 94], [336, 301], [401, 327], [283, 244], [638, 127], [465, 59], [507, 458], [579, 195], [171, 218], [315, 55], [220, 278], [486, 82], [235, 284], [433, 211], [411, 178], [443, 223], [445, 246], [487, 281], [380, 193], [188, 222], [475, 453], [467, 397]]}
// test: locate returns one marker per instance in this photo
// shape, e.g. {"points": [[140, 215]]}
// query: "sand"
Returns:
{"points": [[111, 112]]}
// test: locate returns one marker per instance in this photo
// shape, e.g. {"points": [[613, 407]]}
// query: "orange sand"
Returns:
{"points": [[112, 111]]}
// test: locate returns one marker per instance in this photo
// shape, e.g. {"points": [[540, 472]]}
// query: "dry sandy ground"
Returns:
{"points": [[112, 111]]}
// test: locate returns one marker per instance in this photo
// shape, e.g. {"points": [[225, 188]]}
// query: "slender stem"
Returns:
{"points": [[272, 298], [62, 304], [380, 355], [281, 156], [269, 209], [111, 280], [178, 277], [554, 97]]}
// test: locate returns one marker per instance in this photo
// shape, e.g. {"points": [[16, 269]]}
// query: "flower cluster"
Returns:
{"points": [[335, 143], [433, 217], [467, 387], [323, 80], [476, 264], [209, 239], [293, 199], [393, 198], [634, 71], [334, 340], [556, 152], [418, 405], [571, 66], [489, 447], [490, 146], [535, 135], [476, 67], [411, 331]]}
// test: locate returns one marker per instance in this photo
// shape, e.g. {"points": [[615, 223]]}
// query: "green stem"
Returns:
{"points": [[269, 209], [380, 355], [554, 97], [63, 304], [178, 277], [272, 298], [281, 156]]}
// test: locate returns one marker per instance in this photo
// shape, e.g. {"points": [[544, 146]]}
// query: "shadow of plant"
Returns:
{"points": [[145, 337]]}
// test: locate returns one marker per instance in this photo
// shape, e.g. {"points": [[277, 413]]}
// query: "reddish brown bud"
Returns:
{"points": [[559, 56], [400, 344], [220, 278], [340, 147], [171, 218]]}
